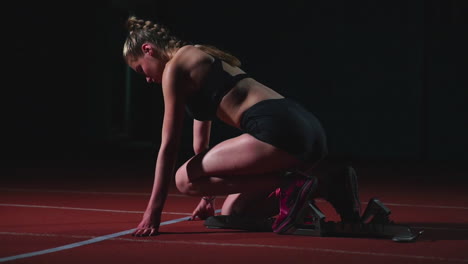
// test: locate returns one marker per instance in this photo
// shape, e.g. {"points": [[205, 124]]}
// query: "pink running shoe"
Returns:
{"points": [[292, 198]]}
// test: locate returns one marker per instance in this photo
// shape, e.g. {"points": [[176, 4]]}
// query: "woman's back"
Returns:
{"points": [[218, 88]]}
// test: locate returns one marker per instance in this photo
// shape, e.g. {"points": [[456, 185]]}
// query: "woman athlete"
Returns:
{"points": [[279, 134]]}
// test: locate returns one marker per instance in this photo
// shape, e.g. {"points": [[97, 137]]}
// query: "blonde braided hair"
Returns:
{"points": [[141, 31]]}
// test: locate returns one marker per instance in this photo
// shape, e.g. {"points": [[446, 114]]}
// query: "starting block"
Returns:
{"points": [[375, 223]]}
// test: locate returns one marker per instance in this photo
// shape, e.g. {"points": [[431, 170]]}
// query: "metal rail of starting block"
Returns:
{"points": [[375, 222]]}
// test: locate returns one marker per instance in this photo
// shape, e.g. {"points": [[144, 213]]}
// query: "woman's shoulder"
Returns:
{"points": [[189, 61], [190, 56], [183, 60]]}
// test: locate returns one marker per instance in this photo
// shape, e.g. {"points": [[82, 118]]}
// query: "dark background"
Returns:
{"points": [[387, 78]]}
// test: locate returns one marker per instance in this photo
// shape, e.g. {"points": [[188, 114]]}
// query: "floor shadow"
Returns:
{"points": [[221, 231], [431, 231]]}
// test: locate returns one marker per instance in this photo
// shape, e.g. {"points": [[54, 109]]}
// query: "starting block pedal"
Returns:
{"points": [[375, 222]]}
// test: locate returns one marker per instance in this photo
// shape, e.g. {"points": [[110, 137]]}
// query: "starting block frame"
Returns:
{"points": [[375, 223]]}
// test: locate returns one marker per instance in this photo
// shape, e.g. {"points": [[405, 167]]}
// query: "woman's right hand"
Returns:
{"points": [[149, 225], [204, 209]]}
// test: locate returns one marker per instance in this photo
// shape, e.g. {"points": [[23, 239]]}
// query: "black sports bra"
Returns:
{"points": [[204, 103]]}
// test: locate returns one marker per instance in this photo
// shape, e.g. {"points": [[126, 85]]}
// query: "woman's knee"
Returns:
{"points": [[188, 174], [182, 181]]}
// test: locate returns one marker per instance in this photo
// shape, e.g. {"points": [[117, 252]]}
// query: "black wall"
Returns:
{"points": [[387, 78]]}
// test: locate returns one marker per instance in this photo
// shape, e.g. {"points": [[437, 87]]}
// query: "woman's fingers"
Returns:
{"points": [[195, 213], [145, 232], [193, 217]]}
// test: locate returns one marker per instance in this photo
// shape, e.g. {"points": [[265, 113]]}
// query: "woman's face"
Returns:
{"points": [[149, 65]]}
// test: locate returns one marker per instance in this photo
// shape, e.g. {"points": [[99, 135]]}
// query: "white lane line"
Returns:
{"points": [[201, 243], [69, 246], [443, 228], [415, 205], [183, 195], [176, 213], [328, 250], [44, 235], [84, 209], [428, 206], [86, 242], [83, 192]]}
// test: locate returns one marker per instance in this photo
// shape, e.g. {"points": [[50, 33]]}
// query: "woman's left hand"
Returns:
{"points": [[149, 225]]}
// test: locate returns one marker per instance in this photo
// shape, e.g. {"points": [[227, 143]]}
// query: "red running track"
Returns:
{"points": [[75, 215]]}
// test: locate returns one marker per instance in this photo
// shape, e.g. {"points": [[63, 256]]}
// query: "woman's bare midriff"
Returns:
{"points": [[244, 95]]}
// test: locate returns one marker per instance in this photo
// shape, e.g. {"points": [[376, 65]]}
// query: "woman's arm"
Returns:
{"points": [[201, 142], [201, 136], [174, 103]]}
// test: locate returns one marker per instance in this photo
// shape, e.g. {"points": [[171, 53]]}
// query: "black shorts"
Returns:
{"points": [[286, 125]]}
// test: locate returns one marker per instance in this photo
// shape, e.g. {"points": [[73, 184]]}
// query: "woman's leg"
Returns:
{"points": [[243, 167], [237, 165], [256, 205]]}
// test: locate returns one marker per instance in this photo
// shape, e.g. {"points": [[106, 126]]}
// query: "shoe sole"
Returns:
{"points": [[353, 184], [287, 226], [351, 194]]}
